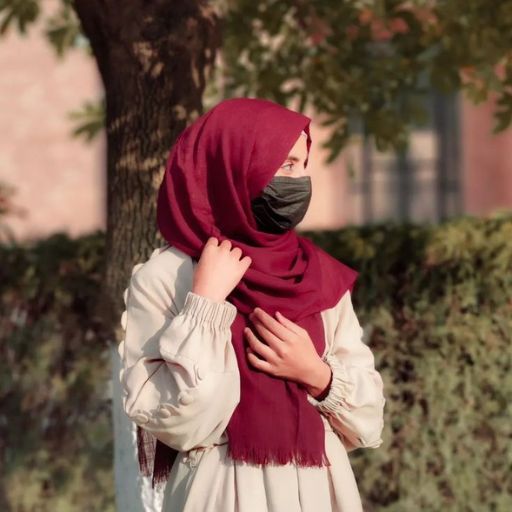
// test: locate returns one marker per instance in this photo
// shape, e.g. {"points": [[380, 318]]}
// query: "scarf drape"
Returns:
{"points": [[218, 164]]}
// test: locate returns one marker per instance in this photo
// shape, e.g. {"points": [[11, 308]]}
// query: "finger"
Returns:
{"points": [[246, 261], [212, 241], [260, 348], [236, 252], [226, 244], [258, 363], [273, 341], [288, 323], [276, 327]]}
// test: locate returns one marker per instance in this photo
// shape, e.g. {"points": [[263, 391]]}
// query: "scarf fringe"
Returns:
{"points": [[155, 458], [259, 456], [164, 460], [145, 451]]}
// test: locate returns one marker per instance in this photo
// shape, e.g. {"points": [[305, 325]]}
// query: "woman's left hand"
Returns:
{"points": [[288, 352]]}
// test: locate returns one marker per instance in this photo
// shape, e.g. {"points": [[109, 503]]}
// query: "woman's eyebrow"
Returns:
{"points": [[293, 158]]}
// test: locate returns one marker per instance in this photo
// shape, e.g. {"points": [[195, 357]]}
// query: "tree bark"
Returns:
{"points": [[153, 58]]}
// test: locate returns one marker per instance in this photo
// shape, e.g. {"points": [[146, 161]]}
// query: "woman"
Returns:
{"points": [[243, 357]]}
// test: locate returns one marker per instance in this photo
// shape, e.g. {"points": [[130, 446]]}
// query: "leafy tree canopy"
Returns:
{"points": [[358, 63]]}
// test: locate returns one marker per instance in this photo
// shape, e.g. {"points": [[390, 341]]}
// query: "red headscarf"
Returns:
{"points": [[217, 166]]}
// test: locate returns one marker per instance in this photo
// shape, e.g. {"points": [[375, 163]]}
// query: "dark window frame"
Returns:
{"points": [[444, 123]]}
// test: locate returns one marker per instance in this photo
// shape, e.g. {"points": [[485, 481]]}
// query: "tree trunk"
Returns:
{"points": [[153, 58]]}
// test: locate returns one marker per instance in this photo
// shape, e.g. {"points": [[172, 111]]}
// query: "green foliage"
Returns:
{"points": [[435, 299], [55, 423], [64, 30], [361, 64], [367, 63], [89, 120], [438, 302], [62, 27], [20, 13]]}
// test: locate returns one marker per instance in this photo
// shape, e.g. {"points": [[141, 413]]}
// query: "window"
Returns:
{"points": [[419, 185]]}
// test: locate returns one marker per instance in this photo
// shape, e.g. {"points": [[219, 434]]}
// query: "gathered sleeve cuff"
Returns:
{"points": [[341, 386], [220, 314], [354, 403]]}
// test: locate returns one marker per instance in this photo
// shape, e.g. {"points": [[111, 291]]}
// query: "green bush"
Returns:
{"points": [[437, 304], [438, 300], [55, 425]]}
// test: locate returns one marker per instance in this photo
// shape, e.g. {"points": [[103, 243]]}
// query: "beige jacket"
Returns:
{"points": [[181, 383]]}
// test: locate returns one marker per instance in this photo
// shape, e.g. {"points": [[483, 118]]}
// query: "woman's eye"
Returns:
{"points": [[288, 165]]}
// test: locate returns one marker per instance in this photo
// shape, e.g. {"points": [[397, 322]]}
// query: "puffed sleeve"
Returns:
{"points": [[179, 371], [354, 405]]}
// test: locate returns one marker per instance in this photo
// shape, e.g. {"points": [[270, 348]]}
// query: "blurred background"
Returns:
{"points": [[411, 165], [454, 164]]}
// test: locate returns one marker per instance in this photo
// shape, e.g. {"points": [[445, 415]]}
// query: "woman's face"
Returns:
{"points": [[293, 166]]}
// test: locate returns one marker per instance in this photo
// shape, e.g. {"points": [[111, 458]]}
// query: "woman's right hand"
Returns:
{"points": [[219, 269]]}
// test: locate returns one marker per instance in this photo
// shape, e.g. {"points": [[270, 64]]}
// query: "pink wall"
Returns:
{"points": [[59, 180], [331, 204], [487, 161]]}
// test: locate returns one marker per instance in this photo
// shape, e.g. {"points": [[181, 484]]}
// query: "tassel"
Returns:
{"points": [[155, 458], [164, 460], [145, 451]]}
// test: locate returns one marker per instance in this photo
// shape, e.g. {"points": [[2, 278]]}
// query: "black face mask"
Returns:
{"points": [[282, 203]]}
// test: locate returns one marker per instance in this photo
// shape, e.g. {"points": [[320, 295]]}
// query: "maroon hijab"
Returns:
{"points": [[216, 167]]}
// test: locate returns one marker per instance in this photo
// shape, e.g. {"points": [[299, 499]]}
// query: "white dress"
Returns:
{"points": [[181, 383]]}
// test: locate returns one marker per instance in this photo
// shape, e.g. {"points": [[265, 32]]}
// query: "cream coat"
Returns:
{"points": [[181, 383]]}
